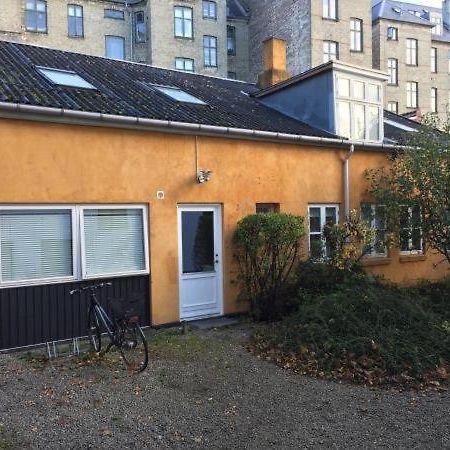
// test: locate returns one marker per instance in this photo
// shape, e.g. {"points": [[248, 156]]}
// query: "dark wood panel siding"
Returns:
{"points": [[37, 314]]}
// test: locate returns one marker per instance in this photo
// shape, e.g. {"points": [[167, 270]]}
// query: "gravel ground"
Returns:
{"points": [[203, 390]]}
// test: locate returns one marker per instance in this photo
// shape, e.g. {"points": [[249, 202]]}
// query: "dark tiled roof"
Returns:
{"points": [[236, 9], [121, 90], [399, 132]]}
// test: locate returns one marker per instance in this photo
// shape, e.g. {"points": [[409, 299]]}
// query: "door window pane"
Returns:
{"points": [[36, 244], [197, 241], [114, 241]]}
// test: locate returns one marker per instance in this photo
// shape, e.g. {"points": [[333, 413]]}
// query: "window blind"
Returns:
{"points": [[114, 241], [36, 244]]}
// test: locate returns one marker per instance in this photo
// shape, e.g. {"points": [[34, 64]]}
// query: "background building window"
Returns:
{"points": [[209, 9], [330, 9], [183, 22], [75, 20], [436, 19], [115, 47], [319, 216], [140, 28], [411, 52], [392, 34], [210, 51], [330, 51], [411, 94], [231, 40], [184, 64], [434, 100], [433, 59], [356, 35], [392, 107], [411, 230], [114, 14], [231, 75], [393, 71], [262, 208], [36, 15]]}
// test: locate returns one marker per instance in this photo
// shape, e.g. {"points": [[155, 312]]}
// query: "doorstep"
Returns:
{"points": [[216, 322]]}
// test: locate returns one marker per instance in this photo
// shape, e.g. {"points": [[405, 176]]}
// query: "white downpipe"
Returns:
{"points": [[347, 181]]}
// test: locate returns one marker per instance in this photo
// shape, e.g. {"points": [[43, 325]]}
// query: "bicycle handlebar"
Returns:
{"points": [[91, 287]]}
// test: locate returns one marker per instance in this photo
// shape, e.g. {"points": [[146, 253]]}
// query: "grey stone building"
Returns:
{"points": [[412, 43]]}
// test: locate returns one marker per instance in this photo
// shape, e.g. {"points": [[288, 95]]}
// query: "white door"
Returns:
{"points": [[200, 261]]}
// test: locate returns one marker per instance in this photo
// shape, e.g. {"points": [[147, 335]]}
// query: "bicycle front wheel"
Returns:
{"points": [[95, 335], [134, 347]]}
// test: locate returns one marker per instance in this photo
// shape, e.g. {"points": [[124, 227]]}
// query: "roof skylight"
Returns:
{"points": [[179, 95], [65, 78]]}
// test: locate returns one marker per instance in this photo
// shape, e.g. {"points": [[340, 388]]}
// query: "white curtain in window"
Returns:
{"points": [[113, 241], [36, 244]]}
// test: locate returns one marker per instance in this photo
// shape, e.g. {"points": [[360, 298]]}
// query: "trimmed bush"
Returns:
{"points": [[267, 248]]}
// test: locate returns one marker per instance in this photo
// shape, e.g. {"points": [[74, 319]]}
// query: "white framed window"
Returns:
{"points": [[358, 109], [330, 9], [393, 71], [319, 216], [115, 47], [140, 27], [392, 107], [75, 20], [375, 216], [411, 52], [36, 16], [411, 241], [209, 9], [436, 19], [210, 51], [184, 64], [330, 51], [434, 100], [412, 94], [392, 34], [433, 60], [356, 35], [183, 22], [61, 243]]}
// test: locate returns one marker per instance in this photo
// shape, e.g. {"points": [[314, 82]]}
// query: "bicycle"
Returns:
{"points": [[123, 330]]}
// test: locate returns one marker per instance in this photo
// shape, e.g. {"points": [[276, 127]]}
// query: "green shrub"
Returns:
{"points": [[267, 249], [364, 330]]}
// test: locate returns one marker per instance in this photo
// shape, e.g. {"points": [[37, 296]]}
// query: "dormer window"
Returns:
{"points": [[358, 109]]}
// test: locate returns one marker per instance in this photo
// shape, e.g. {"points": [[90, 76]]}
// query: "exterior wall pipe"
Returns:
{"points": [[61, 115], [347, 181]]}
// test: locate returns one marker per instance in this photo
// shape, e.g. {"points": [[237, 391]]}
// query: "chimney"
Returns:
{"points": [[274, 58]]}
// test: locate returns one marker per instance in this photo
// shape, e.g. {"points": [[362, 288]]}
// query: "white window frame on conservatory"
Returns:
{"points": [[322, 207], [78, 242]]}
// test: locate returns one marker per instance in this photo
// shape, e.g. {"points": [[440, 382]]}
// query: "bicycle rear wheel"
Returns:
{"points": [[95, 335], [134, 347]]}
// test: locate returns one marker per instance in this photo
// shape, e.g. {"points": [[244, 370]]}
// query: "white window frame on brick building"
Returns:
{"points": [[436, 20], [231, 40], [356, 35], [209, 9], [183, 22], [412, 48], [330, 51], [115, 47], [36, 16], [392, 107], [393, 71], [184, 64], [140, 27], [433, 59], [434, 100], [412, 94], [392, 34], [330, 9], [75, 20], [210, 51]]}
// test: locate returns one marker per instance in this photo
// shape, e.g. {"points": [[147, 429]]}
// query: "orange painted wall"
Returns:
{"points": [[56, 163]]}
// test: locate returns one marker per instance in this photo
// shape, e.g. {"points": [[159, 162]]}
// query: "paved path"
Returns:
{"points": [[203, 390]]}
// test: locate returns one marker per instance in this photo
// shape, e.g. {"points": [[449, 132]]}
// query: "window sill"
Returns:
{"points": [[330, 19], [357, 51], [392, 84], [370, 261], [412, 258], [75, 37], [183, 38]]}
